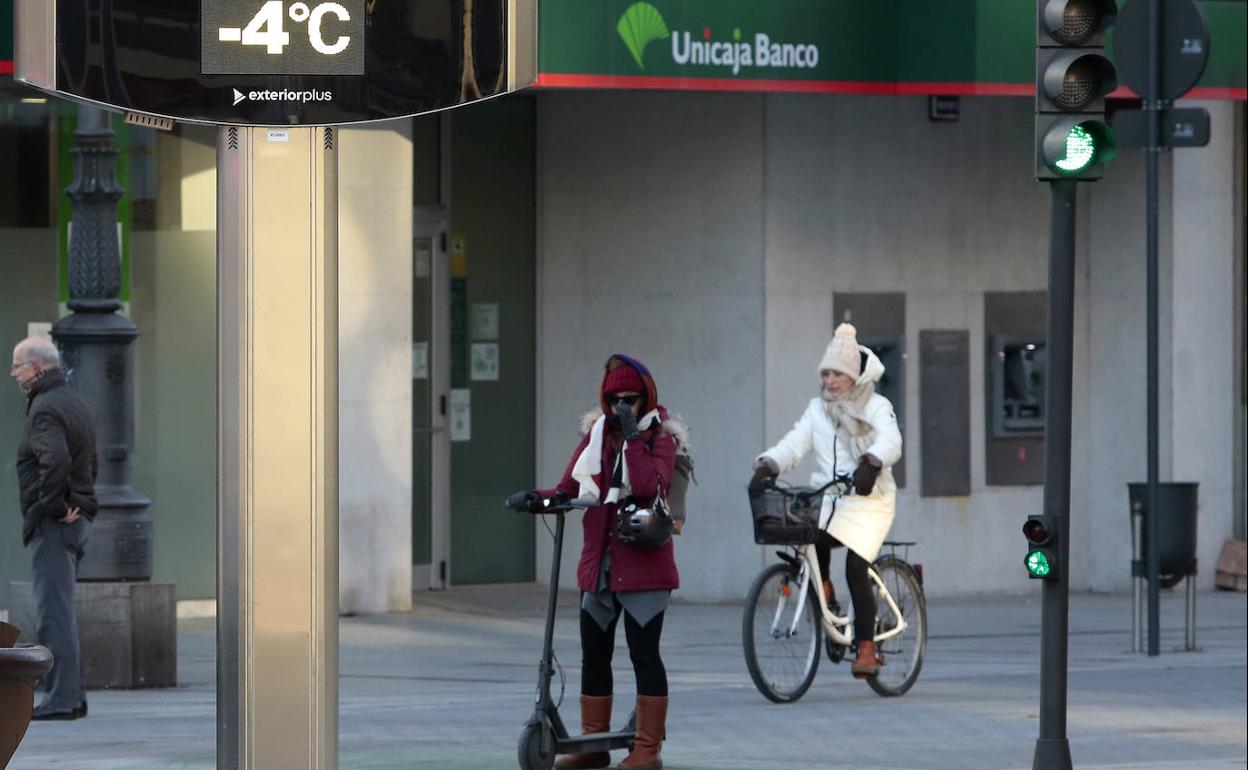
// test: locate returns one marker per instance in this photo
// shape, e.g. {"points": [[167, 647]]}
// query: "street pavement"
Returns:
{"points": [[449, 685]]}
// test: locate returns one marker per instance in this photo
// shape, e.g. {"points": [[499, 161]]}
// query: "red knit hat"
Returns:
{"points": [[623, 379]]}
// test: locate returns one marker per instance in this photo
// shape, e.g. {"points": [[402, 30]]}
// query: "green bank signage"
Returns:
{"points": [[845, 46]]}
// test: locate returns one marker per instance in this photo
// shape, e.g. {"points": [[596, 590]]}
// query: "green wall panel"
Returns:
{"points": [[493, 210], [175, 453], [28, 264]]}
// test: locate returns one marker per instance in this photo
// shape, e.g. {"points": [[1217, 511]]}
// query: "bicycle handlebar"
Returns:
{"points": [[844, 483]]}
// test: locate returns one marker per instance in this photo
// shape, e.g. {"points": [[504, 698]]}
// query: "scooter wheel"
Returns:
{"points": [[536, 750]]}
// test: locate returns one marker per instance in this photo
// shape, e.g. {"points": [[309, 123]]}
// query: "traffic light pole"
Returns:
{"points": [[1052, 747], [1152, 111]]}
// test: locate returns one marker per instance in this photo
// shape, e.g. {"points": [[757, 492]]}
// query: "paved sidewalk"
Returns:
{"points": [[448, 686]]}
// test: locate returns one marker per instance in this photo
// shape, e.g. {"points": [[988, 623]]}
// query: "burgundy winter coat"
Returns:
{"points": [[651, 461]]}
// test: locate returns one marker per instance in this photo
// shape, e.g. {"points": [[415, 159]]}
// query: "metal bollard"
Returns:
{"points": [[1137, 594], [1190, 641]]}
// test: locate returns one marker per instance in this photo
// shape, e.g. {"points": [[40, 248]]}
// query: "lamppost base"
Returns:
{"points": [[128, 631], [1052, 754]]}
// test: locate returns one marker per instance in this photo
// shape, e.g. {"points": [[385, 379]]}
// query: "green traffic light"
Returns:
{"points": [[1080, 153], [1038, 564]]}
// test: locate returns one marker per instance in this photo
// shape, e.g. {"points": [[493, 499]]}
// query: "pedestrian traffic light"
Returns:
{"points": [[1073, 76], [1041, 561]]}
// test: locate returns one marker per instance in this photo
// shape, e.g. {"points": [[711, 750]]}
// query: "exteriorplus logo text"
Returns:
{"points": [[642, 24], [283, 95]]}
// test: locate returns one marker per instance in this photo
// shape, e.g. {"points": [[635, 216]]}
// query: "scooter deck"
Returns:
{"points": [[591, 742]]}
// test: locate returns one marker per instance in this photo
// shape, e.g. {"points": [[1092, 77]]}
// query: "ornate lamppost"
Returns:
{"points": [[95, 344]]}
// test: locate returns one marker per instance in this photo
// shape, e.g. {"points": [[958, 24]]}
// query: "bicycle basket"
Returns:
{"points": [[783, 519]]}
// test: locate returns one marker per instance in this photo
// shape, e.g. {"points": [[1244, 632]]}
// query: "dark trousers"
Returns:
{"points": [[55, 552], [598, 647], [859, 584]]}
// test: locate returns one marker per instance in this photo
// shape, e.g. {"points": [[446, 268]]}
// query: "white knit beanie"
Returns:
{"points": [[842, 353]]}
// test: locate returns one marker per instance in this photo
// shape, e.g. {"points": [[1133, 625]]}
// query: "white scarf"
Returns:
{"points": [[589, 464]]}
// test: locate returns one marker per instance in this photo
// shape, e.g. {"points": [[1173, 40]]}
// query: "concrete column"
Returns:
{"points": [[1202, 350], [375, 353]]}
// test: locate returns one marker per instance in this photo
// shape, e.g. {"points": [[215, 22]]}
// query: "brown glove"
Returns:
{"points": [[764, 468], [868, 471]]}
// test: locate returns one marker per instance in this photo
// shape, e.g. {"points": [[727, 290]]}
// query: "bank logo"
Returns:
{"points": [[641, 25]]}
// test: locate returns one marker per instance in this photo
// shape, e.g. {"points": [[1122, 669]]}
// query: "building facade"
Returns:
{"points": [[716, 219]]}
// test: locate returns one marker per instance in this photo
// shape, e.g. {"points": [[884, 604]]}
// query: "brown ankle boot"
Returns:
{"points": [[868, 662], [595, 718], [651, 729]]}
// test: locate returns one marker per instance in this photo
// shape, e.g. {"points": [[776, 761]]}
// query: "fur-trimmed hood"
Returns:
{"points": [[672, 424]]}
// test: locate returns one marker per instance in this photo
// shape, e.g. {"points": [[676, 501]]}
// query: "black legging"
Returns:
{"points": [[859, 583], [598, 646]]}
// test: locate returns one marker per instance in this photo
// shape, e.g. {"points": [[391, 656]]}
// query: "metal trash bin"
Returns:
{"points": [[1177, 503], [1176, 526]]}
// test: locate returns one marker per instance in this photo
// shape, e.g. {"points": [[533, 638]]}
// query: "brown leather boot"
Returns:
{"points": [[651, 729], [595, 718], [868, 662]]}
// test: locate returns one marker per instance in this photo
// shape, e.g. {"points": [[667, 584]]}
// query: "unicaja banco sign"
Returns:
{"points": [[972, 47], [642, 24]]}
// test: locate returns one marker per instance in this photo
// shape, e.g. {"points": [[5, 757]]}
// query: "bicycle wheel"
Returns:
{"points": [[782, 657], [903, 653]]}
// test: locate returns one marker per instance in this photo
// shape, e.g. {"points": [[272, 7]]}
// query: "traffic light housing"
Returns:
{"points": [[1041, 560], [1073, 76]]}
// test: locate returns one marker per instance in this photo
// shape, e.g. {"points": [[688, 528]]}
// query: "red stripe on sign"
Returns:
{"points": [[1228, 93], [933, 88], [6, 67]]}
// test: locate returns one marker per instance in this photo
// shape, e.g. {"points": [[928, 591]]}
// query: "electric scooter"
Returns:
{"points": [[544, 736]]}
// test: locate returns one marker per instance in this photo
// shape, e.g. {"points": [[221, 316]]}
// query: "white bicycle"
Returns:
{"points": [[787, 616]]}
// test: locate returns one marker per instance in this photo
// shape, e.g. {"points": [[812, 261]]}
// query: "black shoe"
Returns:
{"points": [[42, 715], [81, 711]]}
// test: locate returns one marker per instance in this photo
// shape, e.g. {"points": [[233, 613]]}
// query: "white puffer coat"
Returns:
{"points": [[861, 522]]}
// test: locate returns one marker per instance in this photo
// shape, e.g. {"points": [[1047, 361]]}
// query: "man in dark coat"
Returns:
{"points": [[56, 469]]}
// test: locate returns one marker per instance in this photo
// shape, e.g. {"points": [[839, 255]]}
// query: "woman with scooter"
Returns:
{"points": [[627, 567]]}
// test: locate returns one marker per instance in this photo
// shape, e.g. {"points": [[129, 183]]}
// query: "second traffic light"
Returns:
{"points": [[1073, 76], [1041, 560]]}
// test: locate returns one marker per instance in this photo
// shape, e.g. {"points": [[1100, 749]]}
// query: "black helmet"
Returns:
{"points": [[647, 528]]}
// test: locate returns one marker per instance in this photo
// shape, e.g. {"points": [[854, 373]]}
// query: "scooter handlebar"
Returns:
{"points": [[553, 505]]}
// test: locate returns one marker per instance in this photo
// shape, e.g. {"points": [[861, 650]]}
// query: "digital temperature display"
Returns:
{"points": [[275, 37], [277, 62]]}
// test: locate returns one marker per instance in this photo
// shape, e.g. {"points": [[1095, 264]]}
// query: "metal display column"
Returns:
{"points": [[277, 557]]}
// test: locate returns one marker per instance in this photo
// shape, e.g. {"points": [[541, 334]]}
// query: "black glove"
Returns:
{"points": [[628, 420], [527, 501], [867, 472]]}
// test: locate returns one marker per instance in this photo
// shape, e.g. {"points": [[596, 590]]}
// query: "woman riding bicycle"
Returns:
{"points": [[853, 430], [629, 449]]}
